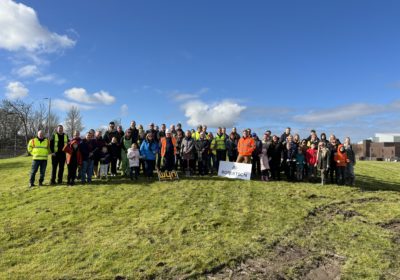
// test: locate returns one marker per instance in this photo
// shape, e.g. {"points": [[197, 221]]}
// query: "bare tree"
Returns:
{"points": [[73, 121], [22, 111], [40, 121]]}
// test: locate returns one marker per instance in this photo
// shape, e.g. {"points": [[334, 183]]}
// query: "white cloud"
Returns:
{"points": [[20, 29], [225, 113], [103, 97], [81, 95], [64, 105], [182, 96], [124, 110], [342, 113], [50, 78], [16, 90], [28, 71]]}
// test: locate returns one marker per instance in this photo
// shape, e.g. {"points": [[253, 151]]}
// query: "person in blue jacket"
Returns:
{"points": [[148, 151]]}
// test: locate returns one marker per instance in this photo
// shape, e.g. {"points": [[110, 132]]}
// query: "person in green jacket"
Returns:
{"points": [[39, 148], [126, 143]]}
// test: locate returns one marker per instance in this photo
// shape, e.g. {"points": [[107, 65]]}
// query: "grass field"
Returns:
{"points": [[200, 228]]}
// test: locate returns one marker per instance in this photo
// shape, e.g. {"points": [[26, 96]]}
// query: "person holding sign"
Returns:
{"points": [[168, 151], [246, 146]]}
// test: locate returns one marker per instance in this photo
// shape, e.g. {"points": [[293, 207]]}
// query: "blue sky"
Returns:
{"points": [[329, 65]]}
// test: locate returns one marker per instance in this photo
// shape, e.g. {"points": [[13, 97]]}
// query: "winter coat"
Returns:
{"points": [[164, 143], [86, 148], [264, 157], [134, 157], [300, 159], [148, 150], [134, 134], [178, 145], [246, 146], [341, 158], [231, 146], [100, 143], [108, 135], [323, 158], [72, 154], [311, 156], [202, 148], [289, 153], [350, 154], [115, 150], [275, 151], [104, 158], [257, 151], [187, 148], [282, 140]]}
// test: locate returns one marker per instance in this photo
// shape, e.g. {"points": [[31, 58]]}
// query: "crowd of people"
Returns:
{"points": [[138, 152]]}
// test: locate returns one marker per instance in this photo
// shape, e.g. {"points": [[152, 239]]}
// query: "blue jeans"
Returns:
{"points": [[149, 167], [87, 169], [35, 166]]}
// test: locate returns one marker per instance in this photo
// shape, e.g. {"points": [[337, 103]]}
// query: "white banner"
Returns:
{"points": [[234, 170]]}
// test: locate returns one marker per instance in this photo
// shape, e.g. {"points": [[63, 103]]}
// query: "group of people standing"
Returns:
{"points": [[135, 151]]}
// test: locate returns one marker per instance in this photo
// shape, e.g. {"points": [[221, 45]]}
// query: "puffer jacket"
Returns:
{"points": [[187, 148]]}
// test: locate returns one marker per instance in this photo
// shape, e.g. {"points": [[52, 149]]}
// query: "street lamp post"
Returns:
{"points": [[48, 117]]}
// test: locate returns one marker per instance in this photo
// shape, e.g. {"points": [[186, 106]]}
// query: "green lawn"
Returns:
{"points": [[200, 228]]}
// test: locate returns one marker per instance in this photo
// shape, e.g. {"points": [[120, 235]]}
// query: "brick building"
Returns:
{"points": [[377, 150]]}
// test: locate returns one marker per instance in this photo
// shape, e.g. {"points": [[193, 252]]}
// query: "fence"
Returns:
{"points": [[12, 148]]}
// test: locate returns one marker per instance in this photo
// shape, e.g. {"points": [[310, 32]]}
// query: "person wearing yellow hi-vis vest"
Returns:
{"points": [[57, 143], [220, 146], [39, 148]]}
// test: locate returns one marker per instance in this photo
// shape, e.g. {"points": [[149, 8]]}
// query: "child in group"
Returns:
{"points": [[341, 163], [300, 162], [134, 160], [350, 164], [115, 152], [323, 160], [311, 158], [74, 159], [104, 159]]}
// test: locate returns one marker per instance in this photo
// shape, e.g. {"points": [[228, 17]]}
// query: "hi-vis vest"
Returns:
{"points": [[56, 141], [39, 150], [220, 142]]}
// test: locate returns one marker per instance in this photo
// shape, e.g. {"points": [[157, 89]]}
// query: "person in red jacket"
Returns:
{"points": [[74, 159], [341, 163], [311, 159], [246, 146]]}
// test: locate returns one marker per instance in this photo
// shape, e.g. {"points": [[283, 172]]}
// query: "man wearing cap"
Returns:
{"points": [[168, 151], [57, 143], [39, 148]]}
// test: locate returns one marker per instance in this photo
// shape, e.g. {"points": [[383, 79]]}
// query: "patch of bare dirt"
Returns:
{"points": [[393, 226], [328, 269], [264, 268], [284, 263]]}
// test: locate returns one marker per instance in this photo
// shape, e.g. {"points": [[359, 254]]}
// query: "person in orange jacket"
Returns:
{"points": [[246, 146], [73, 159], [341, 160], [168, 151]]}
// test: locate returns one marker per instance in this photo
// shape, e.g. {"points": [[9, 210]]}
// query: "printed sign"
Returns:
{"points": [[234, 170], [167, 175]]}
